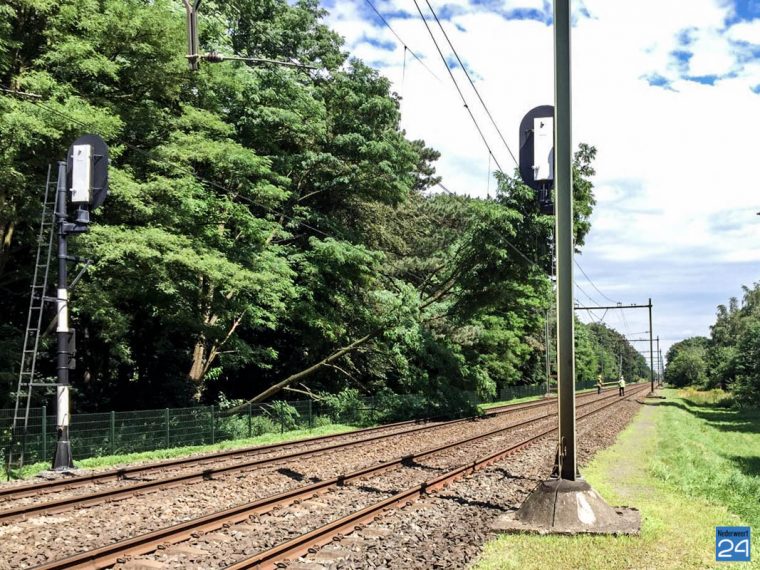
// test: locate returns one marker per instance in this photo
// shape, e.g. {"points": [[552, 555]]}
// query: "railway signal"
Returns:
{"points": [[537, 154], [84, 175]]}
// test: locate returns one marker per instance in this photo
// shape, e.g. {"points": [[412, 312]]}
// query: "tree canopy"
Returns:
{"points": [[730, 358], [266, 225]]}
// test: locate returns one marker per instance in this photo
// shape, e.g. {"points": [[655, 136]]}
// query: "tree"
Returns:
{"points": [[688, 367], [266, 225], [747, 386]]}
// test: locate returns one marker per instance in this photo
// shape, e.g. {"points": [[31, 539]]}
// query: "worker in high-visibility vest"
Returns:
{"points": [[599, 384], [621, 386]]}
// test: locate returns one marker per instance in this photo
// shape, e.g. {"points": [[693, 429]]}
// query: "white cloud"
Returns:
{"points": [[712, 54], [746, 32], [674, 165]]}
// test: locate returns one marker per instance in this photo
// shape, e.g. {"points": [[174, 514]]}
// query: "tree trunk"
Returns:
{"points": [[203, 355], [6, 239]]}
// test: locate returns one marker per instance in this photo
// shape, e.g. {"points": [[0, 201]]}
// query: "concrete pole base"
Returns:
{"points": [[560, 506], [62, 460]]}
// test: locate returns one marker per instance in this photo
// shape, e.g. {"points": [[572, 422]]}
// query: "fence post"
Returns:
{"points": [[282, 420], [213, 426], [113, 433], [166, 418], [44, 433], [310, 417], [250, 431]]}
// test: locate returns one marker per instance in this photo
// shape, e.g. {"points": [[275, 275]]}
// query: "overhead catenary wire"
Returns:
{"points": [[589, 297], [464, 101], [401, 41], [592, 283], [456, 85], [472, 83]]}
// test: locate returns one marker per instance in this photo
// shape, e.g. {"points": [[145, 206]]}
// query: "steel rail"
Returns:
{"points": [[15, 492], [110, 554], [121, 493], [276, 556], [35, 489]]}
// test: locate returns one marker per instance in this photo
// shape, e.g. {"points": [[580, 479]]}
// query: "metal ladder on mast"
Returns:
{"points": [[37, 302]]}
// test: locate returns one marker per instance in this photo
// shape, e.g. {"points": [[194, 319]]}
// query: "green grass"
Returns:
{"points": [[131, 458], [689, 465]]}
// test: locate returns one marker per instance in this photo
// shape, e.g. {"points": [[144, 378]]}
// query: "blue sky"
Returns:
{"points": [[667, 90]]}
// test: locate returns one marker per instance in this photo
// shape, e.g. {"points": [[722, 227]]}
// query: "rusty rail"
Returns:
{"points": [[274, 557], [121, 493], [17, 492], [110, 554]]}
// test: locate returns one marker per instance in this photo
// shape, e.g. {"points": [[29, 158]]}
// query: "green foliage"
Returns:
{"points": [[321, 421], [283, 415], [261, 219], [262, 424], [688, 367], [730, 358], [347, 406], [747, 387], [600, 350]]}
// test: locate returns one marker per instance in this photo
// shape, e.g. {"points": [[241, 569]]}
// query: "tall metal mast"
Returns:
{"points": [[565, 246]]}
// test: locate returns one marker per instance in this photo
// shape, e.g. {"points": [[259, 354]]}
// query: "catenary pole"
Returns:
{"points": [[546, 350], [662, 370], [62, 459], [564, 232], [659, 362], [651, 346]]}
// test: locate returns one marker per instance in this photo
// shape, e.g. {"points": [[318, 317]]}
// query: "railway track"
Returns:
{"points": [[113, 553], [62, 504], [310, 541], [13, 492]]}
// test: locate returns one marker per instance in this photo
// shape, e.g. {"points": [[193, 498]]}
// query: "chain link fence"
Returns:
{"points": [[514, 392], [116, 433]]}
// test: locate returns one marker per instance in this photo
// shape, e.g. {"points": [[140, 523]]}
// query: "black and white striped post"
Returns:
{"points": [[62, 459], [85, 175]]}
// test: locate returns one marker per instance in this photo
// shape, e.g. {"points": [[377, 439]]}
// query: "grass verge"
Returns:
{"points": [[689, 465], [146, 456]]}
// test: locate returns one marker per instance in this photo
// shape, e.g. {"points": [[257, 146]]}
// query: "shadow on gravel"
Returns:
{"points": [[507, 475], [723, 419], [411, 462], [479, 504], [376, 491], [749, 465], [296, 476]]}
